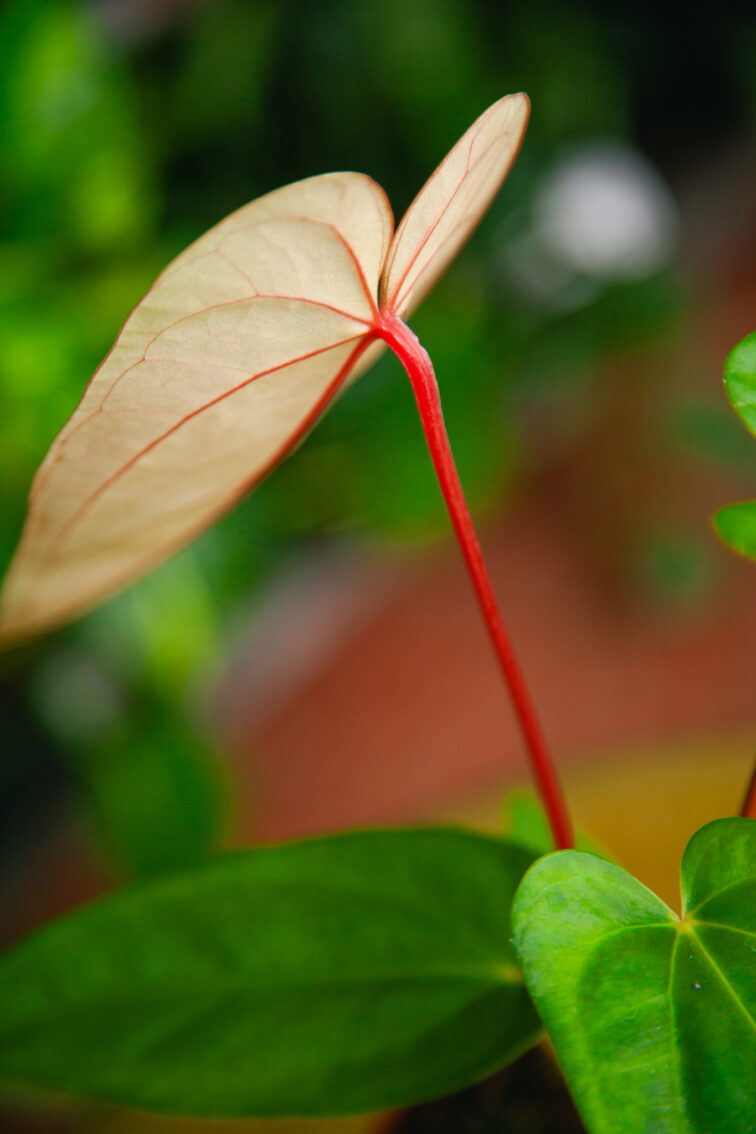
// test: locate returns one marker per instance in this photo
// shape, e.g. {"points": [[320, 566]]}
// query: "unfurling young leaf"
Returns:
{"points": [[735, 524], [330, 976], [653, 1018], [226, 363]]}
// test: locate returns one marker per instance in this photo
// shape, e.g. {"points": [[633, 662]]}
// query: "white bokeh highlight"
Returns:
{"points": [[603, 211]]}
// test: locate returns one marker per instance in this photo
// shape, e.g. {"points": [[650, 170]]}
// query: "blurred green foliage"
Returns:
{"points": [[123, 139]]}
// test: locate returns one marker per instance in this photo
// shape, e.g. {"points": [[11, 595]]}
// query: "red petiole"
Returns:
{"points": [[748, 810], [415, 360]]}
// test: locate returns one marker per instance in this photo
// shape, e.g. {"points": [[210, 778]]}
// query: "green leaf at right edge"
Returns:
{"points": [[735, 524], [740, 380], [329, 976], [653, 1019]]}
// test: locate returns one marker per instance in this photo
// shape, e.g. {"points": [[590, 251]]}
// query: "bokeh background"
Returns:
{"points": [[316, 661]]}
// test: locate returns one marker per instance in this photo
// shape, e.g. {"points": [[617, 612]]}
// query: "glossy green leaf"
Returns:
{"points": [[653, 1018], [735, 524], [330, 976], [740, 380]]}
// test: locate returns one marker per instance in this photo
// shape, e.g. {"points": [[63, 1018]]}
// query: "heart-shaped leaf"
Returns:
{"points": [[228, 361], [653, 1018], [329, 976], [221, 369]]}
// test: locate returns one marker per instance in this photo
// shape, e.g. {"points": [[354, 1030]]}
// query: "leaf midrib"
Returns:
{"points": [[506, 976], [725, 982]]}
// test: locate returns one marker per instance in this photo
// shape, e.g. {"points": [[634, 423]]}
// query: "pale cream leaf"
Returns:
{"points": [[451, 203], [217, 373]]}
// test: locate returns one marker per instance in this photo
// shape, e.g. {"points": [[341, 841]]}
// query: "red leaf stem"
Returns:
{"points": [[748, 810], [415, 360]]}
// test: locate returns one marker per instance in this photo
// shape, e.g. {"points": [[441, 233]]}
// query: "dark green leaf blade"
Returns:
{"points": [[653, 1018], [329, 976]]}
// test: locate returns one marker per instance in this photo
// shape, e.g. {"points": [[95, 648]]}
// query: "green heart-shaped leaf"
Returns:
{"points": [[653, 1018], [329, 976]]}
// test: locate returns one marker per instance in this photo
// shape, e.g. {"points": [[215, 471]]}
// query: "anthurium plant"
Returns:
{"points": [[377, 968]]}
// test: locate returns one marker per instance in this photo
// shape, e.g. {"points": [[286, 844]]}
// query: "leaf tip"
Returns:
{"points": [[735, 526]]}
